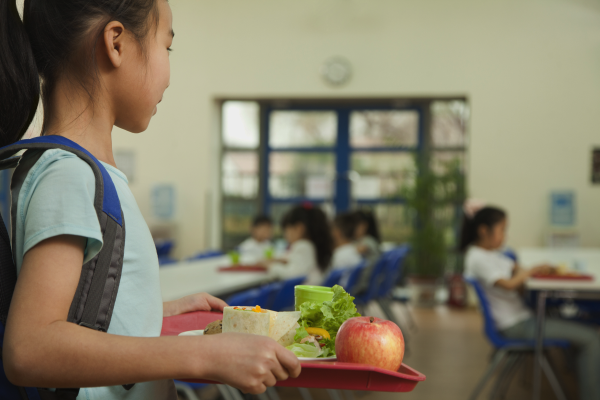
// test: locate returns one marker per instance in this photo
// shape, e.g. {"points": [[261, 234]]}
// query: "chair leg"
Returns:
{"points": [[262, 396], [518, 364], [334, 394], [558, 392], [229, 393], [348, 394], [498, 357], [504, 376], [305, 393], [272, 393], [412, 325], [186, 390]]}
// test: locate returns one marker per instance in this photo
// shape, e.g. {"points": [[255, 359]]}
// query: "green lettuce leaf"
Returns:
{"points": [[329, 315], [304, 350]]}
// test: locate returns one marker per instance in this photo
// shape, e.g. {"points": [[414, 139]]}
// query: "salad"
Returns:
{"points": [[319, 324]]}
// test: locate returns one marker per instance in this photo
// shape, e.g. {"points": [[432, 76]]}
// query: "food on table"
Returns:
{"points": [[214, 327], [319, 324], [369, 340], [279, 326]]}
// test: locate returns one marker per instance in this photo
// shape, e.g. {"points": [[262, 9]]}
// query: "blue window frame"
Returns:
{"points": [[342, 151]]}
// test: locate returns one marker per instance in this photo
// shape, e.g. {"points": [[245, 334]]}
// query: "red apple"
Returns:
{"points": [[369, 340]]}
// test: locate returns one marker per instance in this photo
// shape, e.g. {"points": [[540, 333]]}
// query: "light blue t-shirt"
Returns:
{"points": [[57, 198]]}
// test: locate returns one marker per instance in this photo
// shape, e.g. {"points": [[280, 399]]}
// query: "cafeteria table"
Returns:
{"points": [[189, 277], [587, 261]]}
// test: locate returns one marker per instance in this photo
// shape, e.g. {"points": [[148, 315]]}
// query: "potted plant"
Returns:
{"points": [[433, 204]]}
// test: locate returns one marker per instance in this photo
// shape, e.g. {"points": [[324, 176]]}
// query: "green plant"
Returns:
{"points": [[433, 203]]}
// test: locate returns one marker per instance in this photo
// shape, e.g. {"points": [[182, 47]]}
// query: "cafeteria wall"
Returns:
{"points": [[530, 69]]}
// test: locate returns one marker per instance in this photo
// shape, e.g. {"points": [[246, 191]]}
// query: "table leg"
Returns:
{"points": [[539, 343]]}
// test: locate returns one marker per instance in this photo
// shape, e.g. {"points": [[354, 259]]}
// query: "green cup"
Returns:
{"points": [[235, 257], [317, 294]]}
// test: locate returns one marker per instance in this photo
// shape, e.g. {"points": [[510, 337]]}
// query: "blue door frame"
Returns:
{"points": [[342, 151]]}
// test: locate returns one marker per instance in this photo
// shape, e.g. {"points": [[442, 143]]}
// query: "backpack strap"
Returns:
{"points": [[96, 292]]}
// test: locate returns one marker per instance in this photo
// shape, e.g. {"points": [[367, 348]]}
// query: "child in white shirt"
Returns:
{"points": [[500, 277], [254, 249], [306, 230], [345, 254]]}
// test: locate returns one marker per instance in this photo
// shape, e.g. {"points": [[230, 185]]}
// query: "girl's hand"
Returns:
{"points": [[193, 302], [250, 363], [543, 270]]}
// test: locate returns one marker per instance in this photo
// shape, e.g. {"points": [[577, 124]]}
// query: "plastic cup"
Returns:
{"points": [[269, 253], [235, 257], [316, 294]]}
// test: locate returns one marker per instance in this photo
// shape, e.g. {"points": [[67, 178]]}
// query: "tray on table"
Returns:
{"points": [[243, 268], [315, 374], [557, 277]]}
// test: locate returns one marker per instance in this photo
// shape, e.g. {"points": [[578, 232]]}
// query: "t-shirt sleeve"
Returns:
{"points": [[488, 272], [57, 198]]}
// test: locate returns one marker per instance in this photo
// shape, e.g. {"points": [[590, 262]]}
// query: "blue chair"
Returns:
{"points": [[513, 350], [163, 247], [394, 263], [375, 280], [206, 254], [245, 298], [284, 298], [353, 277], [166, 260], [263, 296], [334, 277]]}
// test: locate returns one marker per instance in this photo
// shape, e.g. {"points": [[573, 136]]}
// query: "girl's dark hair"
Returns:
{"points": [[261, 220], [56, 39], [346, 223], [317, 231], [367, 217], [488, 216]]}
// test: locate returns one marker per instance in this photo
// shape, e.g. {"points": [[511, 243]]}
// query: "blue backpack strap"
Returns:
{"points": [[96, 292]]}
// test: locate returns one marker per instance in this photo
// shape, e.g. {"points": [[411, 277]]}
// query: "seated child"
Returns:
{"points": [[254, 248], [366, 235], [501, 278], [306, 230], [345, 254]]}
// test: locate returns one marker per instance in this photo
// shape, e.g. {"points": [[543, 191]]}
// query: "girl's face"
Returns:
{"points": [[145, 77], [361, 230], [493, 238], [293, 233]]}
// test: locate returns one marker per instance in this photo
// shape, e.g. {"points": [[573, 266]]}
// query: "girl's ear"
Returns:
{"points": [[114, 40], [482, 232]]}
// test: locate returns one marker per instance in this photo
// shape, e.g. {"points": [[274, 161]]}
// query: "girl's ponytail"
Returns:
{"points": [[19, 79]]}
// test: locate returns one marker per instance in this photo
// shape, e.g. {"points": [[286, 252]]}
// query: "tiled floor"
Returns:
{"points": [[450, 349]]}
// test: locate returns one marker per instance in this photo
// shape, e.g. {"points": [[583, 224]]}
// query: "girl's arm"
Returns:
{"points": [[42, 349], [520, 275], [193, 302]]}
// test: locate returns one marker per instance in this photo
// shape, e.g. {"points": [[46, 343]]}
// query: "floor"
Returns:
{"points": [[450, 349]]}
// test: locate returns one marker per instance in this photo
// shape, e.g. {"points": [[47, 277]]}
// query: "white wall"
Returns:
{"points": [[530, 68]]}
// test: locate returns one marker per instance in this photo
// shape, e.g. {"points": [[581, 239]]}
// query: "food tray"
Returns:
{"points": [[244, 268], [564, 277], [315, 374]]}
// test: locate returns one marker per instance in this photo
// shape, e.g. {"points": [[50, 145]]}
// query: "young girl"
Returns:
{"points": [[366, 235], [307, 232], [482, 238], [345, 254], [254, 249], [103, 63]]}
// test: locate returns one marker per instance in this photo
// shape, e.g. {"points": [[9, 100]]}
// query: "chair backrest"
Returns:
{"points": [[489, 325], [334, 277], [375, 280], [206, 254], [394, 262], [245, 298], [163, 247], [284, 299], [353, 277]]}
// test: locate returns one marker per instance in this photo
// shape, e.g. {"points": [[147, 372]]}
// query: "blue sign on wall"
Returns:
{"points": [[562, 208]]}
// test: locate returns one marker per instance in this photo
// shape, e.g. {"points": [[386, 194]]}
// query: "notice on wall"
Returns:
{"points": [[562, 208], [596, 166]]}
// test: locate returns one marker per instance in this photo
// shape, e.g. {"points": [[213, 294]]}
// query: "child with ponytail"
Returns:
{"points": [[483, 235], [102, 63], [307, 232]]}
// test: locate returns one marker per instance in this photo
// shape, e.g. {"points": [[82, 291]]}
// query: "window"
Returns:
{"points": [[338, 155]]}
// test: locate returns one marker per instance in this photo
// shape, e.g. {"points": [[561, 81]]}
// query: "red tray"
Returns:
{"points": [[315, 374], [564, 277], [243, 268]]}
